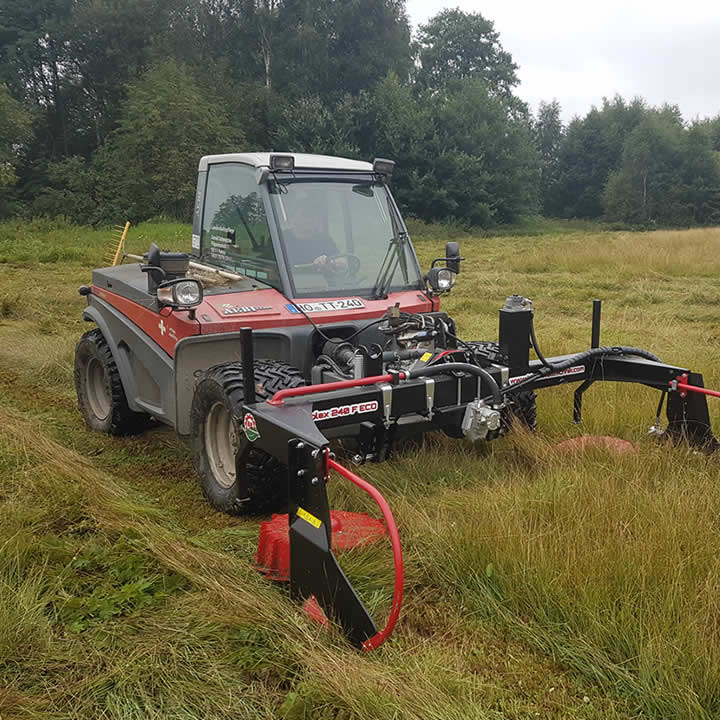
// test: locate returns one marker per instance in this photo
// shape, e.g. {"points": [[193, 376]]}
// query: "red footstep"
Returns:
{"points": [[595, 442]]}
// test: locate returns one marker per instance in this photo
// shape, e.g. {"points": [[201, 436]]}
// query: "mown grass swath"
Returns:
{"points": [[536, 583]]}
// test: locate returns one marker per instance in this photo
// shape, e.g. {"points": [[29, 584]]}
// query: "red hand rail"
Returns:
{"points": [[380, 637], [695, 388], [684, 387], [280, 395]]}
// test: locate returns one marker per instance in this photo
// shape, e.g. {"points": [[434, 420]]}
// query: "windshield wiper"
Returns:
{"points": [[395, 255]]}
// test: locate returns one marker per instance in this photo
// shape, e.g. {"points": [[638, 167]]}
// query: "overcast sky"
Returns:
{"points": [[577, 52]]}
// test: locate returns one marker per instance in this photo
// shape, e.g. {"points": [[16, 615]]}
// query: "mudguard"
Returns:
{"points": [[145, 369]]}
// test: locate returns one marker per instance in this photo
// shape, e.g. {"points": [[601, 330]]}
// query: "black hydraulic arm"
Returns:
{"points": [[688, 417]]}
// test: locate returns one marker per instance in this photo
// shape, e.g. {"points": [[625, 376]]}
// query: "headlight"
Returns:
{"points": [[445, 279], [440, 279], [188, 293], [282, 162], [180, 293]]}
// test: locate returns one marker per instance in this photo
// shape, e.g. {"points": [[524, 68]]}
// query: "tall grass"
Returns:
{"points": [[609, 563], [538, 585]]}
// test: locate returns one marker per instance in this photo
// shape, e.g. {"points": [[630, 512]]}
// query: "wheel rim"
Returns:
{"points": [[221, 444], [97, 390]]}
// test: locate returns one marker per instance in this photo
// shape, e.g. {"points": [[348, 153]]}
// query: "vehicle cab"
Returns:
{"points": [[310, 226]]}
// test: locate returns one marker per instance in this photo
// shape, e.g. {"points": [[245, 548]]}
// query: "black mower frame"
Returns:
{"points": [[287, 427]]}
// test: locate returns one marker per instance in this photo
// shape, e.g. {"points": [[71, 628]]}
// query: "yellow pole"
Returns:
{"points": [[121, 245]]}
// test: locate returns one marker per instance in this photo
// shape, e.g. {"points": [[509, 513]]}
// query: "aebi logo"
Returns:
{"points": [[344, 410], [250, 427]]}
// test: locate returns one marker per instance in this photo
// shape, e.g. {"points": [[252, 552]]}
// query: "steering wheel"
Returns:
{"points": [[349, 268]]}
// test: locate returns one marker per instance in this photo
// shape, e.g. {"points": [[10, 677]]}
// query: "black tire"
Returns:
{"points": [[100, 393], [216, 406], [521, 405]]}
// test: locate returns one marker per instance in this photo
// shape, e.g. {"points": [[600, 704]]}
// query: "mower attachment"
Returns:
{"points": [[314, 570]]}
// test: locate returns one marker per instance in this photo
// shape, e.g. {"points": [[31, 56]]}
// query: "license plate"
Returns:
{"points": [[327, 306]]}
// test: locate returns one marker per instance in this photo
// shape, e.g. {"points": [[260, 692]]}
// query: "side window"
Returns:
{"points": [[235, 233]]}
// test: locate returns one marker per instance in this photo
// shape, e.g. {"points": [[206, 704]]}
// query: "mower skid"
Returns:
{"points": [[688, 417], [314, 571], [289, 434]]}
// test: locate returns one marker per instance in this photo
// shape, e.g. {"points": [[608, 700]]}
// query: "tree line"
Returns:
{"points": [[107, 105]]}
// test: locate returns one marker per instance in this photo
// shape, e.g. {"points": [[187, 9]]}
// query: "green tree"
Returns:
{"points": [[464, 154], [32, 57], [392, 123], [148, 167], [711, 127], [454, 45], [108, 44], [548, 134], [310, 125], [700, 176], [15, 123], [486, 159], [591, 149], [167, 124], [669, 175], [328, 48]]}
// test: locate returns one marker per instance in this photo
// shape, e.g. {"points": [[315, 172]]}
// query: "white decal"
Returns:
{"points": [[195, 242], [328, 306], [345, 410], [162, 327], [228, 309], [574, 370]]}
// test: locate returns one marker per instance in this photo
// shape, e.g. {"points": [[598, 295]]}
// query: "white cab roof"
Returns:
{"points": [[302, 160]]}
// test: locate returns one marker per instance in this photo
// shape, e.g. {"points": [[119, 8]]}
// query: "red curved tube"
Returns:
{"points": [[280, 395], [380, 637]]}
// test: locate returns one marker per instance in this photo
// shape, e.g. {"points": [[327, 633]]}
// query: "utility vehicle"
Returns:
{"points": [[302, 316]]}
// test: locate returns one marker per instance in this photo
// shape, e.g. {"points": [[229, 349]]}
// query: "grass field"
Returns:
{"points": [[538, 585]]}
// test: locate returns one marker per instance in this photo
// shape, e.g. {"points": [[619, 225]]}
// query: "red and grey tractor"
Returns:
{"points": [[302, 318]]}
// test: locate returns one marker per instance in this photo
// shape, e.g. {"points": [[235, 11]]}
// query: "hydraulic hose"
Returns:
{"points": [[534, 342], [395, 355], [380, 637], [444, 368], [547, 368]]}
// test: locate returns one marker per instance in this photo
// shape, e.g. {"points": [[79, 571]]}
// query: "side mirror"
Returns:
{"points": [[452, 257], [441, 279], [180, 294]]}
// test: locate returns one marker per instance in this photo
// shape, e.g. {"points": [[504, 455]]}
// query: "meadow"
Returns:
{"points": [[537, 584]]}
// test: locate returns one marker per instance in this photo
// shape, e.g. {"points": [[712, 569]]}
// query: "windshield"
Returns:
{"points": [[342, 235]]}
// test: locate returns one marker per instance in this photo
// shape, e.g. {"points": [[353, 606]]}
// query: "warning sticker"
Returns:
{"points": [[425, 357], [309, 517], [574, 370]]}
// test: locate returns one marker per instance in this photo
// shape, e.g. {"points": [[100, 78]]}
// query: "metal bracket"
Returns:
{"points": [[429, 396], [387, 390], [578, 399]]}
